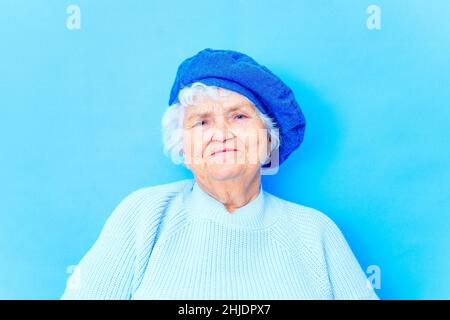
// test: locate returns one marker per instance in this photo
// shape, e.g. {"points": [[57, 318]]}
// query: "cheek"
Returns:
{"points": [[194, 145], [252, 138], [255, 145]]}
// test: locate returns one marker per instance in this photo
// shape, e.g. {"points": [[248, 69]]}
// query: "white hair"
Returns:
{"points": [[172, 121]]}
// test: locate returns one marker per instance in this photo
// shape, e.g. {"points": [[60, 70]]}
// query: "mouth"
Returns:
{"points": [[223, 151]]}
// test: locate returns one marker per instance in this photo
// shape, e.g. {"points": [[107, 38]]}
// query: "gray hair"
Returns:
{"points": [[172, 121]]}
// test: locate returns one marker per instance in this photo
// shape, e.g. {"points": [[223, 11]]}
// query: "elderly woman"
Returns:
{"points": [[220, 235]]}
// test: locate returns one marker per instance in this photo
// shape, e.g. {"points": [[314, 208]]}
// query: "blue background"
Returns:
{"points": [[80, 115]]}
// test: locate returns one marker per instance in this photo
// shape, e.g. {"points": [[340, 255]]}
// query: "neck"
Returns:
{"points": [[232, 193]]}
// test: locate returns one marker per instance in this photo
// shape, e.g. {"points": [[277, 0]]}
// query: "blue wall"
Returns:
{"points": [[80, 118]]}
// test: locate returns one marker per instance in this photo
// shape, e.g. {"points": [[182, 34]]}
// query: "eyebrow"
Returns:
{"points": [[208, 113]]}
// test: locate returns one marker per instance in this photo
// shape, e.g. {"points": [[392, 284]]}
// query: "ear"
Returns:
{"points": [[182, 156], [268, 159]]}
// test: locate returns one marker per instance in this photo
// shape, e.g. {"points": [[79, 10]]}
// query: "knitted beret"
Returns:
{"points": [[238, 72]]}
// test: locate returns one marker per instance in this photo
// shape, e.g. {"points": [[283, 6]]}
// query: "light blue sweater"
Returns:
{"points": [[175, 241]]}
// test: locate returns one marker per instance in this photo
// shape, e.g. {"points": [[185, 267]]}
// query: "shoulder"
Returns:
{"points": [[156, 193], [308, 217], [306, 224], [305, 232], [169, 187], [147, 201]]}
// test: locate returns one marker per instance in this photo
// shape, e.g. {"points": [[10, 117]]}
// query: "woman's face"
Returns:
{"points": [[224, 139]]}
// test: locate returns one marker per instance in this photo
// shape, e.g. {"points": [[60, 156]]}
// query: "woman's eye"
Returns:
{"points": [[200, 123], [240, 116]]}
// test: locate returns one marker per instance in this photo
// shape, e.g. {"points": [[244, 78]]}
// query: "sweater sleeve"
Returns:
{"points": [[106, 271], [347, 278]]}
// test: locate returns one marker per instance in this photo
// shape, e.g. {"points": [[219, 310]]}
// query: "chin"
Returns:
{"points": [[225, 172]]}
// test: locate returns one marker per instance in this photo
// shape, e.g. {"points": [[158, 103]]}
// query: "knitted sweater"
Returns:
{"points": [[175, 241]]}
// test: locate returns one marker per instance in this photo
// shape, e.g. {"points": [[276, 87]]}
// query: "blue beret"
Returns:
{"points": [[238, 72]]}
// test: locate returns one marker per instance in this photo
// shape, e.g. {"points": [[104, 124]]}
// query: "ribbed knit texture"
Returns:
{"points": [[175, 241]]}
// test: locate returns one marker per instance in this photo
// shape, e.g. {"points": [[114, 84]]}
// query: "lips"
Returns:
{"points": [[223, 150]]}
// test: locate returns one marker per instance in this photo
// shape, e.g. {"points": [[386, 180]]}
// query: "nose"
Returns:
{"points": [[221, 131]]}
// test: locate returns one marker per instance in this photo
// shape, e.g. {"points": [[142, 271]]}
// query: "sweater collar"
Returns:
{"points": [[201, 204]]}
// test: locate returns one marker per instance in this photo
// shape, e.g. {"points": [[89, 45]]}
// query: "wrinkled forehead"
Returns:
{"points": [[225, 100]]}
